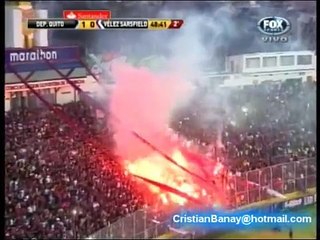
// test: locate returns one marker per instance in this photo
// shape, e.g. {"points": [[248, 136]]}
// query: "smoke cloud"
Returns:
{"points": [[146, 99], [143, 101]]}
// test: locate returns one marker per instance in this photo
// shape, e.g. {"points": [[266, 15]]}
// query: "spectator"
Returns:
{"points": [[276, 123], [59, 185]]}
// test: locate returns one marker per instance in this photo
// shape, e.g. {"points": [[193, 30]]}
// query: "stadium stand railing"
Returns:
{"points": [[285, 178]]}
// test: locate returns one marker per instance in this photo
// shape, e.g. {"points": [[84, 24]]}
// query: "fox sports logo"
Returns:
{"points": [[274, 26]]}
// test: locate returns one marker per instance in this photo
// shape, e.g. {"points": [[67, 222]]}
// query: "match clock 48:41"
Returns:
{"points": [[162, 24]]}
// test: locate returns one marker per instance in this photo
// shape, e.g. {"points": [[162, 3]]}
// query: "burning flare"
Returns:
{"points": [[156, 168]]}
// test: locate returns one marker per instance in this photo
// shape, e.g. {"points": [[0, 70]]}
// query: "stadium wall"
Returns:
{"points": [[271, 62], [61, 90], [43, 77], [26, 50]]}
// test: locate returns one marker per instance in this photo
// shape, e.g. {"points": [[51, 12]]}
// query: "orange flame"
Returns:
{"points": [[156, 168]]}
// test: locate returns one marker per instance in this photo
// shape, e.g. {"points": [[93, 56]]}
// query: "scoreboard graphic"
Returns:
{"points": [[105, 24]]}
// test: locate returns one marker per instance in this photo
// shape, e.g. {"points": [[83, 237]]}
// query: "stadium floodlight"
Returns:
{"points": [[244, 109], [74, 212], [233, 123]]}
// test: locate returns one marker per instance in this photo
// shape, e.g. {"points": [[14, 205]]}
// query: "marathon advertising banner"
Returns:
{"points": [[20, 55]]}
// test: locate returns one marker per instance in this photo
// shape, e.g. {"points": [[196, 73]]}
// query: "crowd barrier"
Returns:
{"points": [[284, 178]]}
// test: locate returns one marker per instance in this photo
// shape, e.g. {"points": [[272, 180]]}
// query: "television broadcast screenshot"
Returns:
{"points": [[160, 120]]}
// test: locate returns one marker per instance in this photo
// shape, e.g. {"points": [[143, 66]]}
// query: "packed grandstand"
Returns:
{"points": [[65, 178], [59, 186]]}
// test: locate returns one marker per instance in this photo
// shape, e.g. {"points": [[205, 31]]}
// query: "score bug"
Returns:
{"points": [[41, 24]]}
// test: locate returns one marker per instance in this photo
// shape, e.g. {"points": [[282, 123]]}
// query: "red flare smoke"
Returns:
{"points": [[143, 101]]}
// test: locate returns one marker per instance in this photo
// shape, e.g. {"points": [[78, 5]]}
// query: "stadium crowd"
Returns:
{"points": [[59, 184], [266, 124], [63, 185]]}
